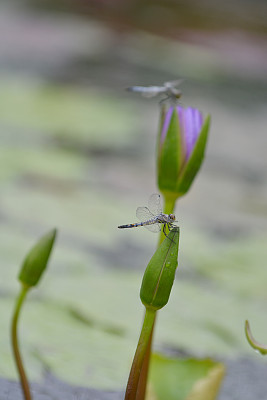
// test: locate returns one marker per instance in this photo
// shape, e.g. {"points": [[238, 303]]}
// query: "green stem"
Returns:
{"points": [[133, 381], [262, 348], [142, 384], [169, 205], [15, 345]]}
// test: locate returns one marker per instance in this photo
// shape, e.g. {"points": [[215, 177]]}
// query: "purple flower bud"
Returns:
{"points": [[181, 146], [191, 121]]}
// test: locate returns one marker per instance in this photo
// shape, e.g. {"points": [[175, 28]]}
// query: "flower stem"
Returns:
{"points": [[169, 205], [15, 345], [145, 336], [142, 384]]}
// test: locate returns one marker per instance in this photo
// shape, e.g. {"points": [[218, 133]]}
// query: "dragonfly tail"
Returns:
{"points": [[130, 225]]}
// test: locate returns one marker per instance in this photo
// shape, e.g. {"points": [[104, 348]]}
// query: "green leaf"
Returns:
{"points": [[37, 259], [160, 272], [194, 163], [187, 379]]}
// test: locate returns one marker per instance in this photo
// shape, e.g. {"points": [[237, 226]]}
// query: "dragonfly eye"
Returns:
{"points": [[172, 217]]}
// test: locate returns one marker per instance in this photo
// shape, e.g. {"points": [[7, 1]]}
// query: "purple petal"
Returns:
{"points": [[191, 121], [181, 116]]}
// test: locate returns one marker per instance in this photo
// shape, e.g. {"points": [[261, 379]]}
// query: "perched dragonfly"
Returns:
{"points": [[151, 217], [168, 88]]}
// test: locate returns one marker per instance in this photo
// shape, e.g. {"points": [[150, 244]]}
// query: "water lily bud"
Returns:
{"points": [[160, 273], [181, 147], [37, 259]]}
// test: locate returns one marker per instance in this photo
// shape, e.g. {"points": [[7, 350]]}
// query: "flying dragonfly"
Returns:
{"points": [[152, 217], [168, 88]]}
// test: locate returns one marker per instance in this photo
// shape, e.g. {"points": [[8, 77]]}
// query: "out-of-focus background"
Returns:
{"points": [[78, 153]]}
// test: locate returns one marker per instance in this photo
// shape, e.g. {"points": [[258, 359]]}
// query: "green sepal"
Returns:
{"points": [[170, 155], [37, 259], [163, 112], [160, 272], [193, 164]]}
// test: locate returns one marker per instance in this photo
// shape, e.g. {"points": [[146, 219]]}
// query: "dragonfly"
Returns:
{"points": [[152, 217], [168, 88]]}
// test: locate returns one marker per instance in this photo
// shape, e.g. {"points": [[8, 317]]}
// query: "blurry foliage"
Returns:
{"points": [[205, 315], [83, 116], [46, 130], [168, 18]]}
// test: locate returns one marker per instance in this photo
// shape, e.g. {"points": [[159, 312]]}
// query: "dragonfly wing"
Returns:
{"points": [[149, 95], [147, 91], [138, 89], [143, 214], [154, 204], [175, 83], [153, 227], [152, 91]]}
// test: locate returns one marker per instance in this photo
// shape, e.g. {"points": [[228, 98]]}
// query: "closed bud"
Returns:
{"points": [[37, 259], [160, 273], [181, 148]]}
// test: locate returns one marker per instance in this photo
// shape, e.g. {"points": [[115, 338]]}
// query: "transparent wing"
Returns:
{"points": [[175, 83], [154, 227], [143, 214], [147, 91], [152, 91], [150, 94], [154, 204], [138, 89]]}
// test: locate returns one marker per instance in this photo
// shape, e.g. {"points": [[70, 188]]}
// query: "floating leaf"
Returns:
{"points": [[186, 379]]}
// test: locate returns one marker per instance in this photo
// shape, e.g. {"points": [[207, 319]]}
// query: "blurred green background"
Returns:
{"points": [[77, 153]]}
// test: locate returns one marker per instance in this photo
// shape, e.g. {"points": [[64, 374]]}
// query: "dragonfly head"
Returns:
{"points": [[176, 93], [172, 217]]}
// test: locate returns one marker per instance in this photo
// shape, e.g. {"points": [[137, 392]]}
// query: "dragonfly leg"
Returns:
{"points": [[174, 101], [164, 229], [163, 100]]}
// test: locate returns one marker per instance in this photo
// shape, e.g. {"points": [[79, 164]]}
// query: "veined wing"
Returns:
{"points": [[154, 204], [143, 214], [153, 227], [173, 84], [148, 91]]}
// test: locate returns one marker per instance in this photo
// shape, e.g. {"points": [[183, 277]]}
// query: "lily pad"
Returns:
{"points": [[185, 379]]}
